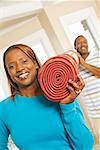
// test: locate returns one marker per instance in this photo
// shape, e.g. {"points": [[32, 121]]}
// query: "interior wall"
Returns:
{"points": [[22, 30], [55, 11], [98, 8], [49, 20], [9, 23], [46, 24]]}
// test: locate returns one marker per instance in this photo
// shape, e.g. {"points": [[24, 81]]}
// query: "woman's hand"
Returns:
{"points": [[74, 89]]}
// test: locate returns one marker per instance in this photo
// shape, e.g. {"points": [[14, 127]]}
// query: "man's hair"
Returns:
{"points": [[30, 53]]}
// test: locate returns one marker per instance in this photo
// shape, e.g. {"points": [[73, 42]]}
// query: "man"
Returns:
{"points": [[90, 71]]}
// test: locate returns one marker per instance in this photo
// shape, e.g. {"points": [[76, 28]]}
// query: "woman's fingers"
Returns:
{"points": [[73, 84], [67, 100], [81, 82], [71, 96], [79, 85], [74, 89]]}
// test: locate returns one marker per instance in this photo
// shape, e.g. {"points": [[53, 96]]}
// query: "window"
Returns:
{"points": [[40, 53], [83, 29], [82, 22]]}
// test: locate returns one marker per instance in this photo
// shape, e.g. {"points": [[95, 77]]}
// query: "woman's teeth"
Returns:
{"points": [[23, 76]]}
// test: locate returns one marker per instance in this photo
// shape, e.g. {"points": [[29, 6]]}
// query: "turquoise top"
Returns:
{"points": [[38, 124]]}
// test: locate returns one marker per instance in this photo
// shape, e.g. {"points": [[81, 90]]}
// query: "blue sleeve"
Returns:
{"points": [[4, 133], [77, 132]]}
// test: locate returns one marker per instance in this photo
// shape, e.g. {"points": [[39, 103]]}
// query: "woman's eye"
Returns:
{"points": [[11, 67], [24, 61]]}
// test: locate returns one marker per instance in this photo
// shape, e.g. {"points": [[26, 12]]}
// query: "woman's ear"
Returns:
{"points": [[36, 65]]}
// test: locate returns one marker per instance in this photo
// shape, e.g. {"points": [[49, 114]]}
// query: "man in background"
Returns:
{"points": [[90, 71]]}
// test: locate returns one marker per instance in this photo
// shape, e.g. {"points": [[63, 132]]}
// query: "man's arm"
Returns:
{"points": [[94, 70]]}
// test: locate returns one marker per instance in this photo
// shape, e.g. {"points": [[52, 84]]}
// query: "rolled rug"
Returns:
{"points": [[54, 74], [74, 56]]}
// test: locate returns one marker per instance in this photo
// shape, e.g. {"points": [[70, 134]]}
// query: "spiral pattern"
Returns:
{"points": [[54, 75]]}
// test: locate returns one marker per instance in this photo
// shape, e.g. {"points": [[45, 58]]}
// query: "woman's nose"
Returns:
{"points": [[19, 67]]}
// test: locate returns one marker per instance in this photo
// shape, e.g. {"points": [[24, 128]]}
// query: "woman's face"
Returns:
{"points": [[21, 68], [82, 45]]}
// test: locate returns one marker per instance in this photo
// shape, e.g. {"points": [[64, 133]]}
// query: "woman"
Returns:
{"points": [[34, 122]]}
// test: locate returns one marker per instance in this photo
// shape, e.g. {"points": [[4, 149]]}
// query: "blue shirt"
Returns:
{"points": [[38, 124]]}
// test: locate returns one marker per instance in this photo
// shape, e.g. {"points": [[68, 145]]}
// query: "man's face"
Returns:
{"points": [[82, 45]]}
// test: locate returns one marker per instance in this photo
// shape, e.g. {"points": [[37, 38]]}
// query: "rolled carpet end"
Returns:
{"points": [[54, 74]]}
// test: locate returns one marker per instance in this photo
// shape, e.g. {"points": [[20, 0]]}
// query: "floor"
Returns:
{"points": [[96, 147]]}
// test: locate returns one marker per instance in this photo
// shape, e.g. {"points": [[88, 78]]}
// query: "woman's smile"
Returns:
{"points": [[23, 75], [21, 68]]}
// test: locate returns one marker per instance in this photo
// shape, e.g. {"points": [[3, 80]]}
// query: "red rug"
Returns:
{"points": [[54, 74]]}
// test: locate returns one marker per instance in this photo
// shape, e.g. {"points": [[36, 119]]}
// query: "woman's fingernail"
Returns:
{"points": [[69, 80]]}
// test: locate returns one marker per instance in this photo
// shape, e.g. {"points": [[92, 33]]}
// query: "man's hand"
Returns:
{"points": [[81, 60]]}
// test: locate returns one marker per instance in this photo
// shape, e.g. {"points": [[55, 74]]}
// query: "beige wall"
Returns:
{"points": [[65, 8], [21, 31], [46, 24], [98, 7], [48, 19]]}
